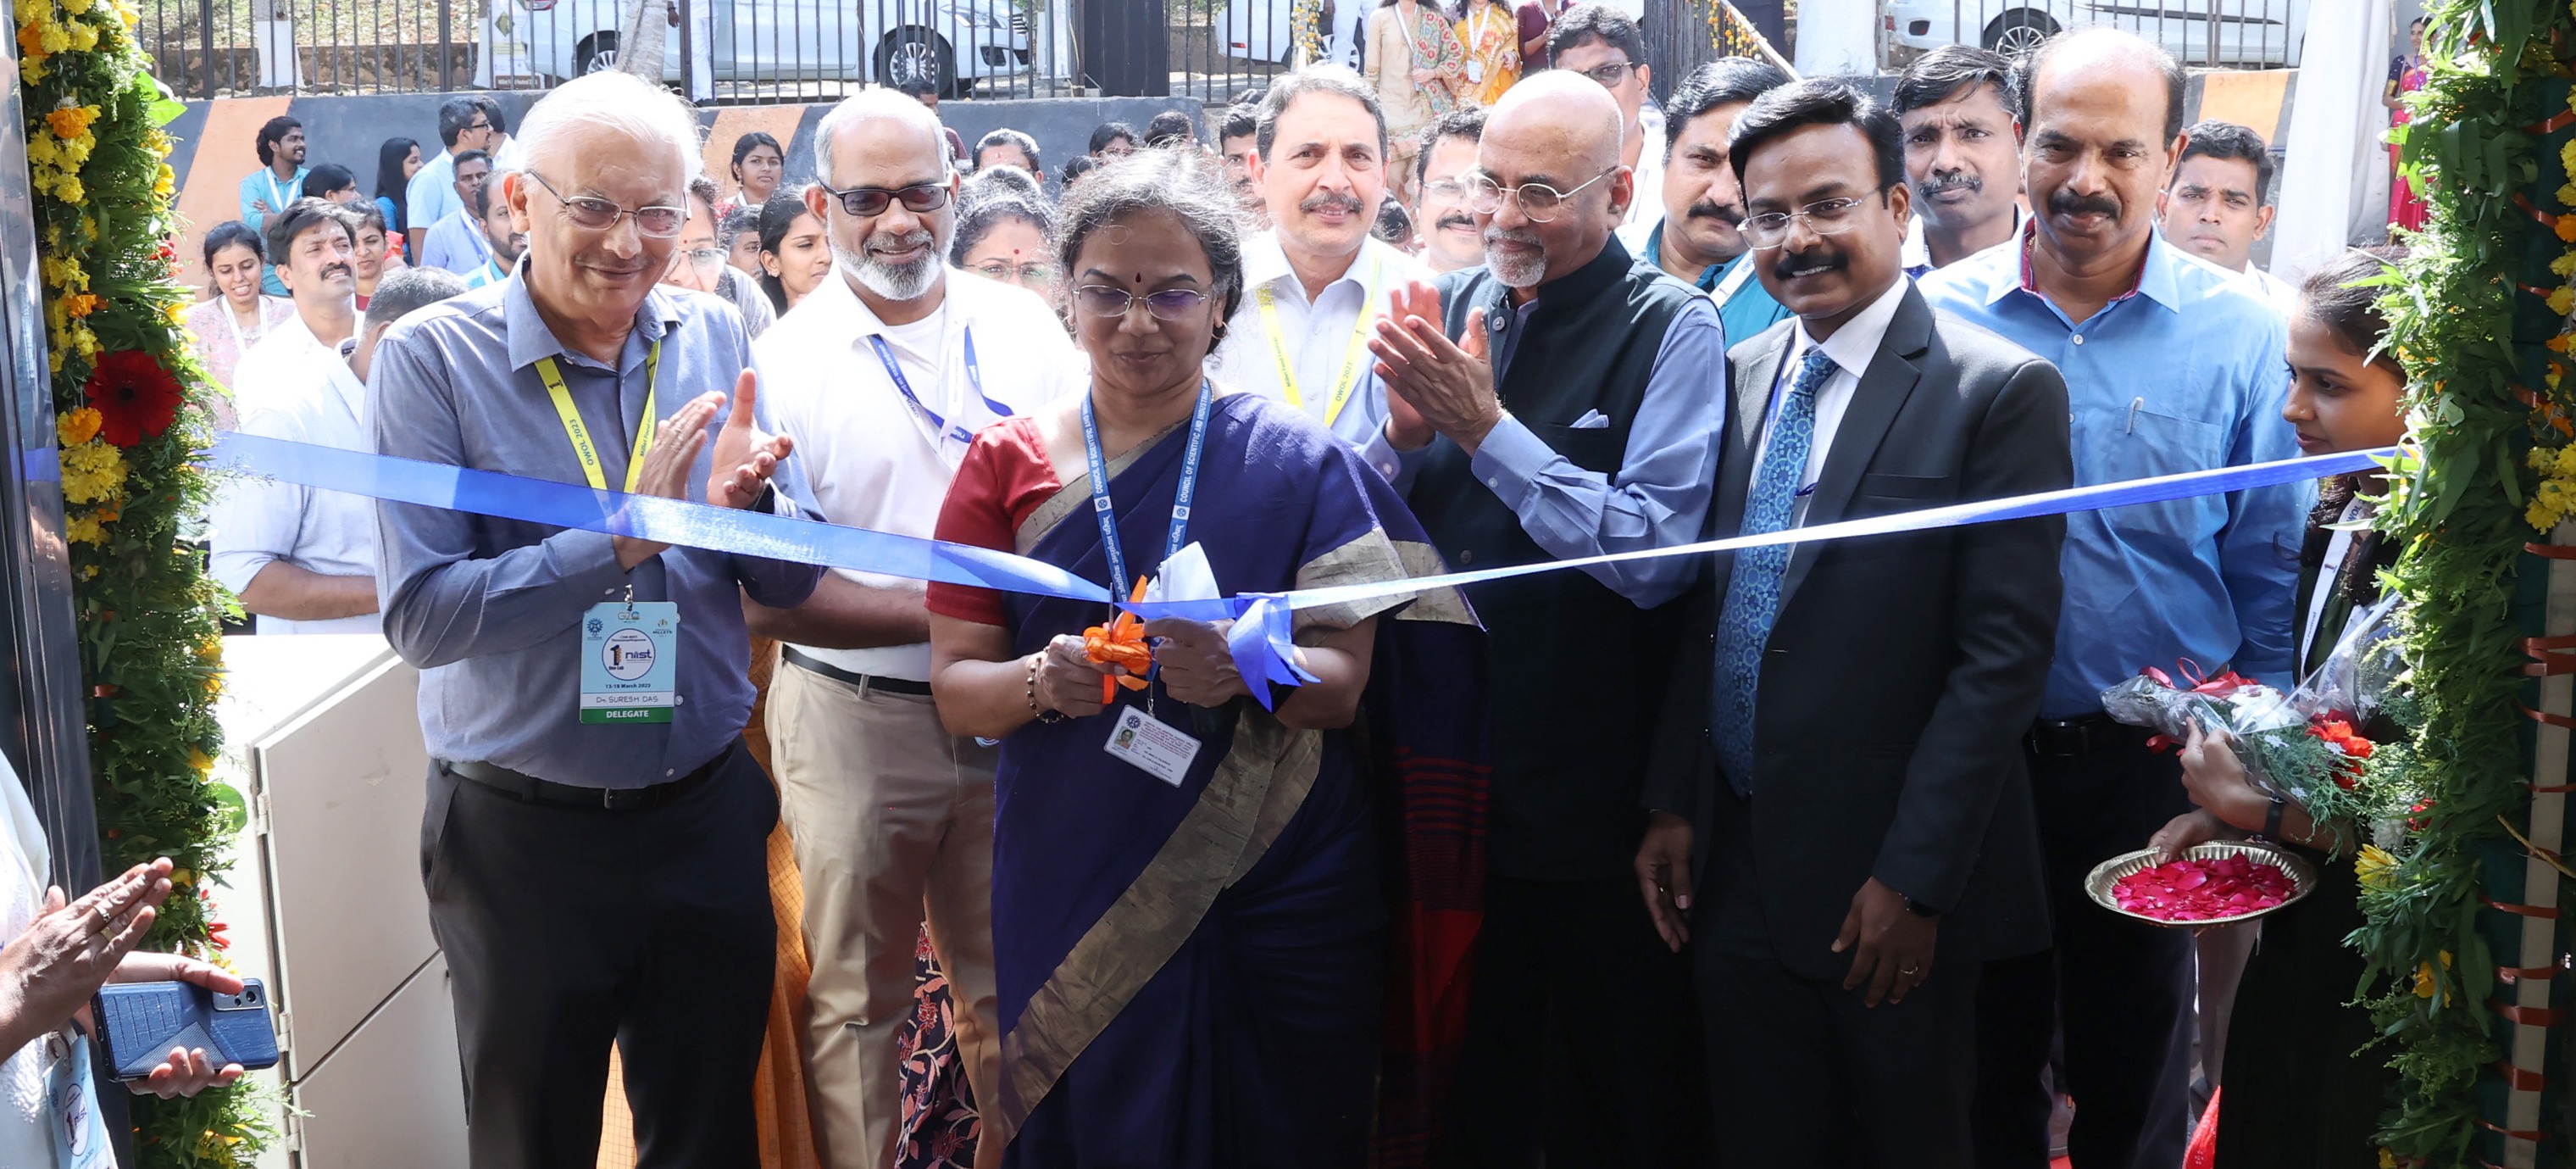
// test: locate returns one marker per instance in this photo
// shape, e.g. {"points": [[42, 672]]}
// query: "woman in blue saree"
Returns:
{"points": [[1196, 965]]}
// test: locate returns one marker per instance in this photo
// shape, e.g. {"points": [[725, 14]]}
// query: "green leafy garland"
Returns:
{"points": [[2474, 319], [129, 401]]}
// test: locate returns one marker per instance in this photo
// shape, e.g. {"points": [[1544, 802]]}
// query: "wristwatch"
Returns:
{"points": [[2272, 818], [1917, 908]]}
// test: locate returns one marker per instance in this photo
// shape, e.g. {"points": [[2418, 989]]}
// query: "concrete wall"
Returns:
{"points": [[215, 138]]}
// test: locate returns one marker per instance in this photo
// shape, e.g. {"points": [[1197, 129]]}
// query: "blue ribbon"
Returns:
{"points": [[1261, 639], [647, 517]]}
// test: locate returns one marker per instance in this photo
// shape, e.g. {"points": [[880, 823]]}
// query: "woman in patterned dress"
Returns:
{"points": [[1418, 68], [1492, 40]]}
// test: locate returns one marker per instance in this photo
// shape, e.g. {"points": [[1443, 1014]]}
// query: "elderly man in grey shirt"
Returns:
{"points": [[595, 839]]}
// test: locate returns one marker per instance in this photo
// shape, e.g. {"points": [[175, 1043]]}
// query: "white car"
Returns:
{"points": [[2249, 32], [1257, 30], [951, 43]]}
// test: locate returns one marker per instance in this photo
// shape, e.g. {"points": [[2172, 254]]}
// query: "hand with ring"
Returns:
{"points": [[50, 971]]}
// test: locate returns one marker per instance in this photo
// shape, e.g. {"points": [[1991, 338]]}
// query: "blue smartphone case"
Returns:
{"points": [[139, 1022]]}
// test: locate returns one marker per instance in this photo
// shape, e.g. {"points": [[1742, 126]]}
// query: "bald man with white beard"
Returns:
{"points": [[595, 840], [1563, 400], [881, 376]]}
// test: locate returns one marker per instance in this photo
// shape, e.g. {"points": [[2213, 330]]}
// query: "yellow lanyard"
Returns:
{"points": [[582, 447], [1350, 375]]}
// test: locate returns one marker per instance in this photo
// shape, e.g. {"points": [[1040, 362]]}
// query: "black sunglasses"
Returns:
{"points": [[870, 202]]}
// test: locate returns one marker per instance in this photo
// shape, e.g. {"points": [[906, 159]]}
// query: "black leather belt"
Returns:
{"points": [[2083, 735], [800, 658], [529, 789]]}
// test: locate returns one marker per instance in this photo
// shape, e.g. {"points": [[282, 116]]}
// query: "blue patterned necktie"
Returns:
{"points": [[1753, 588]]}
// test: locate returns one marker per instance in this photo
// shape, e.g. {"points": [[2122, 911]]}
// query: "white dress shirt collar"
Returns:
{"points": [[1853, 346]]}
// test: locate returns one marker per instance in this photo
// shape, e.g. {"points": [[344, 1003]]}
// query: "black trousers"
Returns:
{"points": [[1802, 1074], [1581, 1043], [567, 929], [2120, 989]]}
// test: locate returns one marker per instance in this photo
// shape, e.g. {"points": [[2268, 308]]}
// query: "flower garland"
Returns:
{"points": [[2477, 318], [131, 424], [1307, 18]]}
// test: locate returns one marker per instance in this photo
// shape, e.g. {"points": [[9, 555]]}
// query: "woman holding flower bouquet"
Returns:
{"points": [[2296, 1093]]}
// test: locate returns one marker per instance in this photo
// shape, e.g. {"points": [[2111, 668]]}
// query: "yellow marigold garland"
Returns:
{"points": [[151, 654]]}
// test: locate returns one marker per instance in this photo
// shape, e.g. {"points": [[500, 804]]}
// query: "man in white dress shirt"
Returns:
{"points": [[882, 375], [1317, 280], [314, 243], [303, 560]]}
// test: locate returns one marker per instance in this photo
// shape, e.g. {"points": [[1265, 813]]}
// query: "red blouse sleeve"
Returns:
{"points": [[1004, 477]]}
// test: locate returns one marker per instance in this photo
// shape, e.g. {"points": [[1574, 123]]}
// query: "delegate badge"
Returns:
{"points": [[1161, 749], [627, 667]]}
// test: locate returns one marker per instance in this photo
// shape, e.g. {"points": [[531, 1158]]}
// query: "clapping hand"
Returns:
{"points": [[1441, 385], [48, 973], [745, 455], [676, 443]]}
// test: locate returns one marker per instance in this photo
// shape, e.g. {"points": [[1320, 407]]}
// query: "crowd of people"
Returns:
{"points": [[1771, 858]]}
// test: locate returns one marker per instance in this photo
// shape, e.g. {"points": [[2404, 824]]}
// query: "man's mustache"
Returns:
{"points": [[336, 269], [1727, 213], [1520, 236], [1331, 199], [1943, 182], [2066, 202], [1828, 257], [1454, 219]]}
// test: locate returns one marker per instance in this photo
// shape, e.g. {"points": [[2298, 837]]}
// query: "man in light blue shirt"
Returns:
{"points": [[1696, 238], [456, 241], [595, 838], [2171, 365], [463, 125], [503, 238], [278, 182]]}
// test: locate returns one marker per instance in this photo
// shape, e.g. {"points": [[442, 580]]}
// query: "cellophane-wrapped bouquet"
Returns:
{"points": [[2305, 744]]}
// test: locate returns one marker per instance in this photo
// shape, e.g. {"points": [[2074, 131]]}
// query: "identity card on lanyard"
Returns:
{"points": [[1161, 751], [629, 656], [79, 1133], [944, 428], [1352, 368]]}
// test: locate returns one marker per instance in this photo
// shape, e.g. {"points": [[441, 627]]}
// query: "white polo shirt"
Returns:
{"points": [[1315, 336], [284, 363], [256, 520], [873, 459]]}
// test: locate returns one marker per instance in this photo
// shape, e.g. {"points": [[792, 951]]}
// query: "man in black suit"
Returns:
{"points": [[1843, 738]]}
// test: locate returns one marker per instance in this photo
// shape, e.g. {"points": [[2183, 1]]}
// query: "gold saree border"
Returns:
{"points": [[1258, 787]]}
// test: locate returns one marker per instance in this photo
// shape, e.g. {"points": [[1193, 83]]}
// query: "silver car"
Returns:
{"points": [[950, 43], [2201, 32]]}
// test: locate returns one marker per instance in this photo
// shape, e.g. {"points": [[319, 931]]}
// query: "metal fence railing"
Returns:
{"points": [[743, 51], [751, 51]]}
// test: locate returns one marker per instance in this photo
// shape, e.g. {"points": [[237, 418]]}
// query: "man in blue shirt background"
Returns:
{"points": [[463, 125], [278, 181], [1695, 240], [2171, 365]]}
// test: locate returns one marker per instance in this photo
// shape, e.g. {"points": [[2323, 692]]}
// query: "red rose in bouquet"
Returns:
{"points": [[2338, 734], [136, 398]]}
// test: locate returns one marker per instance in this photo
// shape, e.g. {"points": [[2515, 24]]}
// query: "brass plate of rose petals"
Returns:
{"points": [[2099, 883]]}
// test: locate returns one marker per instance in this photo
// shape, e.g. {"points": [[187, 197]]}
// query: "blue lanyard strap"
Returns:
{"points": [[1100, 506], [903, 385], [975, 377]]}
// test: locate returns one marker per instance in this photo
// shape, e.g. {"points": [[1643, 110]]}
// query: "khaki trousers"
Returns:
{"points": [[892, 816]]}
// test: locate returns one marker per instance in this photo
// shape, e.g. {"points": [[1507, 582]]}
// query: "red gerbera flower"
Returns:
{"points": [[136, 398]]}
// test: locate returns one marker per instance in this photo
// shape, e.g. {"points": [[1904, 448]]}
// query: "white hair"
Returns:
{"points": [[866, 105], [620, 102]]}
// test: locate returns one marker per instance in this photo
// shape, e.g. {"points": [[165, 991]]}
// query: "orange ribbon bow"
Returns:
{"points": [[1120, 643]]}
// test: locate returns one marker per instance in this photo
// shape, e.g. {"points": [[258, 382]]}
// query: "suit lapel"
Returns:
{"points": [[1751, 399], [1875, 403]]}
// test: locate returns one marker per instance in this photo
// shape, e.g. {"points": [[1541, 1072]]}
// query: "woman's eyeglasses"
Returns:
{"points": [[1171, 304], [870, 202], [706, 262], [1023, 273], [1539, 201], [1829, 217], [596, 214]]}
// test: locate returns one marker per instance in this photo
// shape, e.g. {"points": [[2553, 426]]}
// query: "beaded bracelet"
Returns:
{"points": [[1044, 715]]}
